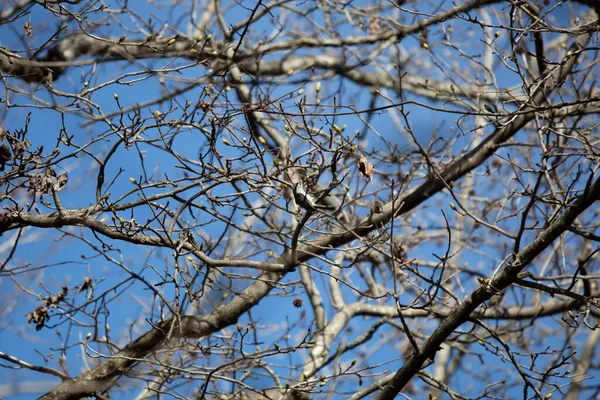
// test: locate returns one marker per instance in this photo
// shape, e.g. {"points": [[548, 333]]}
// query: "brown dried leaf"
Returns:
{"points": [[38, 183], [334, 161], [39, 316], [87, 283], [56, 298], [4, 223], [4, 156], [28, 29], [365, 167]]}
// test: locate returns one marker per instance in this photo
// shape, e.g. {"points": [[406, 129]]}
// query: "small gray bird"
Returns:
{"points": [[304, 199]]}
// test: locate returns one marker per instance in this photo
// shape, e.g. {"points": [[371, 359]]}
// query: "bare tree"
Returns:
{"points": [[299, 199]]}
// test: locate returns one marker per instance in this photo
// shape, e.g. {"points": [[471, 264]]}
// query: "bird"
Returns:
{"points": [[304, 199]]}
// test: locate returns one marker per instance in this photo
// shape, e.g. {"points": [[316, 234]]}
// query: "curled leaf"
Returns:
{"points": [[42, 182], [5, 156], [87, 283], [365, 168], [334, 163], [39, 316], [28, 29]]}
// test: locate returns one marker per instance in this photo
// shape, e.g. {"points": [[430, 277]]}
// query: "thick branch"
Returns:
{"points": [[105, 374], [507, 276]]}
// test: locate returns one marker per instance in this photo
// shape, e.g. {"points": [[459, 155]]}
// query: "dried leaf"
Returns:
{"points": [[4, 156], [87, 284], [5, 222], [54, 299], [28, 29], [365, 168], [41, 183], [334, 163], [39, 316]]}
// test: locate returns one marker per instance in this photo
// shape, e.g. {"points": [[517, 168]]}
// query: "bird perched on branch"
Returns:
{"points": [[304, 199]]}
